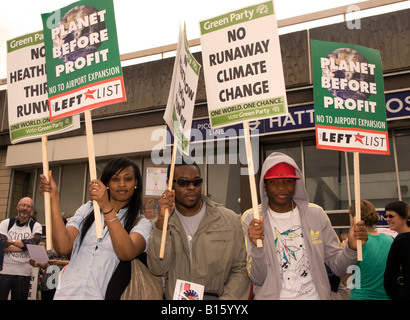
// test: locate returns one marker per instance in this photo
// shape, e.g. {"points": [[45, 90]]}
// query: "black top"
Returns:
{"points": [[398, 258]]}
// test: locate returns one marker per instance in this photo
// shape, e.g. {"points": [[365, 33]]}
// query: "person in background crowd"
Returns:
{"points": [[1, 256], [342, 292], [93, 260], [397, 274], [48, 276], [371, 268], [15, 234], [397, 216], [49, 272], [298, 238], [204, 242]]}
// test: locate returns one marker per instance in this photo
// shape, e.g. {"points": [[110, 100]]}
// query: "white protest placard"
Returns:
{"points": [[181, 101], [244, 73], [27, 97], [37, 253], [156, 181], [243, 66], [180, 108], [28, 104]]}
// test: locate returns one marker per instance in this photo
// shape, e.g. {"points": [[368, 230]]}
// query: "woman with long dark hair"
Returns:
{"points": [[125, 232]]}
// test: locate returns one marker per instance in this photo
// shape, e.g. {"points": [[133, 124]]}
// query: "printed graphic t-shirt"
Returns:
{"points": [[290, 249]]}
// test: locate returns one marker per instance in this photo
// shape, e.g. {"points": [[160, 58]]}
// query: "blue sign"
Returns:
{"points": [[299, 118], [382, 218]]}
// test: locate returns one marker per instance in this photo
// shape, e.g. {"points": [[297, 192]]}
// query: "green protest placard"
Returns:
{"points": [[350, 112], [82, 55], [27, 97], [243, 65], [83, 67]]}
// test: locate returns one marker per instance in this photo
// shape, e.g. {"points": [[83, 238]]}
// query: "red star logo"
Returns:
{"points": [[358, 137], [89, 94]]}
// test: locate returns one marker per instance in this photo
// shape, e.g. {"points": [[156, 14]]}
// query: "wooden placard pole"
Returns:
{"points": [[93, 169], [47, 201], [357, 200], [171, 177], [251, 173]]}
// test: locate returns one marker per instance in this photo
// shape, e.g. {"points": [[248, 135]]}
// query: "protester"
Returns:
{"points": [[1, 255], [48, 273], [369, 280], [15, 234], [397, 274], [342, 291], [93, 260], [298, 238], [397, 216], [204, 241]]}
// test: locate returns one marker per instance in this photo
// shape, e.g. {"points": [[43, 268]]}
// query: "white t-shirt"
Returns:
{"points": [[290, 248], [191, 224], [16, 263]]}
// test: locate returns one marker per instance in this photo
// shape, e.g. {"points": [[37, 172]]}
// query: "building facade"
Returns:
{"points": [[136, 129]]}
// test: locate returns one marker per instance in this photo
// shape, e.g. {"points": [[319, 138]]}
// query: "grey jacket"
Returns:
{"points": [[218, 254], [321, 241]]}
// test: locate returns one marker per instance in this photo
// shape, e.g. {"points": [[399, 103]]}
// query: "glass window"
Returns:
{"points": [[73, 182], [223, 172], [403, 160], [292, 149], [23, 186], [325, 177], [224, 183], [39, 199]]}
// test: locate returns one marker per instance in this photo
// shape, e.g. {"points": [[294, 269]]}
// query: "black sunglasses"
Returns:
{"points": [[390, 216], [183, 183]]}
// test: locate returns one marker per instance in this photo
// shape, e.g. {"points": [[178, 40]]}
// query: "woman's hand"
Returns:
{"points": [[357, 232], [48, 186], [98, 192]]}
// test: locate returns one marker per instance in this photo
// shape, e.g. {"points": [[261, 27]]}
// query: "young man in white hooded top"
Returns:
{"points": [[298, 238]]}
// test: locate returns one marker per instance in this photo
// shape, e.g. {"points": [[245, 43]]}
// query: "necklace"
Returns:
{"points": [[191, 223], [275, 222]]}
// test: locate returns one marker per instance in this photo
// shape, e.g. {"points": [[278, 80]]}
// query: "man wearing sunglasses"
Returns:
{"points": [[204, 242]]}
